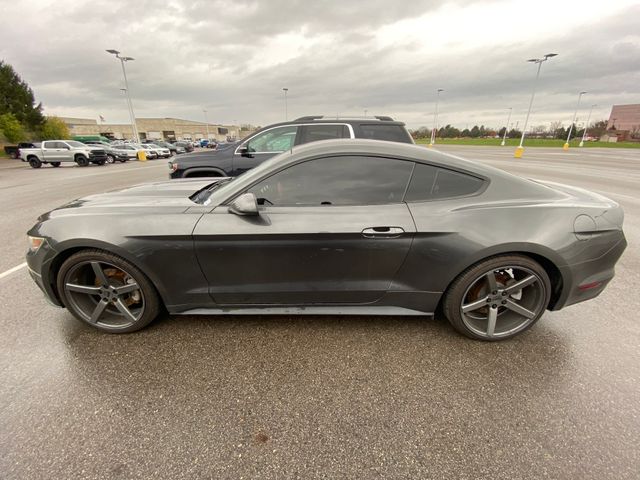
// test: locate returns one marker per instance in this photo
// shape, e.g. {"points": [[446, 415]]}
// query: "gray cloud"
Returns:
{"points": [[233, 58]]}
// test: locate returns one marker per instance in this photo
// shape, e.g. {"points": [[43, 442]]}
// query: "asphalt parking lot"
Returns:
{"points": [[318, 397]]}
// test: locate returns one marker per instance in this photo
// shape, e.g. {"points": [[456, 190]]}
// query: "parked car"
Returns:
{"points": [[113, 155], [335, 227], [161, 152], [127, 149], [14, 150], [174, 149], [150, 153], [188, 146], [56, 152], [274, 139]]}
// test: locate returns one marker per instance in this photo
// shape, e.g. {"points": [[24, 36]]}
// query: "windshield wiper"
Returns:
{"points": [[202, 195]]}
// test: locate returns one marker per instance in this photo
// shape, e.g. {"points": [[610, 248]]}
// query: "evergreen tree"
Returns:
{"points": [[16, 97]]}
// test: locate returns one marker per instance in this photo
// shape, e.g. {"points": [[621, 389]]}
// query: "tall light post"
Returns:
{"points": [[506, 128], [539, 61], [435, 119], [126, 85], [586, 125], [575, 114], [206, 122], [286, 113]]}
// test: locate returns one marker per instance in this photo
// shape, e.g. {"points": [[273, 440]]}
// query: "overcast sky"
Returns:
{"points": [[337, 57]]}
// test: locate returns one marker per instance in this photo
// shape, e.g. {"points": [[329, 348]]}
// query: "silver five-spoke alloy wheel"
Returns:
{"points": [[104, 294], [503, 301], [498, 297]]}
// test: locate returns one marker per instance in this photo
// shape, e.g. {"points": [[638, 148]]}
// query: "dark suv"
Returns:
{"points": [[230, 160]]}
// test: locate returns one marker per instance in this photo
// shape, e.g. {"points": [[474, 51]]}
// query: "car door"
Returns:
{"points": [[53, 151], [330, 231], [263, 146]]}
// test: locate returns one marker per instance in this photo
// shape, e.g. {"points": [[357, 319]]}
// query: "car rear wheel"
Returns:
{"points": [[35, 163], [107, 292], [497, 298], [111, 159]]}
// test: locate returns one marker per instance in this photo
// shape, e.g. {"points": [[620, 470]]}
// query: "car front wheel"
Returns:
{"points": [[107, 292], [497, 298]]}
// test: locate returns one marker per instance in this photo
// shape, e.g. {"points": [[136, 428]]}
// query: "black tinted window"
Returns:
{"points": [[337, 181], [313, 133], [432, 183], [381, 131]]}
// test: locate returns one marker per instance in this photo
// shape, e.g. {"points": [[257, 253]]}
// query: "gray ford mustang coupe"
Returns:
{"points": [[333, 227]]}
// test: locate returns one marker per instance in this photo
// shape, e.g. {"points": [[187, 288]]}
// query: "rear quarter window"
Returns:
{"points": [[314, 133], [434, 183], [382, 131]]}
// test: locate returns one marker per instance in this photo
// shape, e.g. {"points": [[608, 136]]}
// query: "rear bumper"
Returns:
{"points": [[586, 280]]}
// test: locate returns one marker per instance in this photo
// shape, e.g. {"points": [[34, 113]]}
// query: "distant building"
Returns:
{"points": [[624, 117], [155, 129]]}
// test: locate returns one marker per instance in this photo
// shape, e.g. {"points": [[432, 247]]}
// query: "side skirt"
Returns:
{"points": [[293, 310]]}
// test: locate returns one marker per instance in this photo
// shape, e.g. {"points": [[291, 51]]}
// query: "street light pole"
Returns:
{"points": [[435, 119], [126, 97], [126, 85], [586, 125], [286, 113], [506, 128], [520, 150], [206, 120], [566, 145]]}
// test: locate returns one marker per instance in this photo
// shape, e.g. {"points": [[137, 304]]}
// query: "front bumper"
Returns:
{"points": [[39, 265]]}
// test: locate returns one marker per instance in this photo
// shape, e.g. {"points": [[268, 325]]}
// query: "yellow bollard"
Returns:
{"points": [[565, 146], [142, 156], [430, 145], [518, 153]]}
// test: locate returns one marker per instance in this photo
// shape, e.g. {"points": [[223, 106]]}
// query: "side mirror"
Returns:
{"points": [[245, 204], [244, 151]]}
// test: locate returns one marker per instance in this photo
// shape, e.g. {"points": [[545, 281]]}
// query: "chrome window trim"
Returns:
{"points": [[352, 135]]}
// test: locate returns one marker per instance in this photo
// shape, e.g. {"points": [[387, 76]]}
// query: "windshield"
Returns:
{"points": [[73, 143], [222, 188]]}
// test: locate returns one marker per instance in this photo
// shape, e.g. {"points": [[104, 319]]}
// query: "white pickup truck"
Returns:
{"points": [[56, 152]]}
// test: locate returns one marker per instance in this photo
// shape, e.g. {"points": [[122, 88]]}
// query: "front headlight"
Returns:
{"points": [[35, 243]]}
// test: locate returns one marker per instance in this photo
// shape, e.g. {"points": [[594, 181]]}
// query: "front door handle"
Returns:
{"points": [[382, 232]]}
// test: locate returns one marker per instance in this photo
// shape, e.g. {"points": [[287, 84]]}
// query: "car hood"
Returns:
{"points": [[161, 197]]}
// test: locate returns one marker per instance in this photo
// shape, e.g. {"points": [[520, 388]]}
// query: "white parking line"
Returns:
{"points": [[12, 270]]}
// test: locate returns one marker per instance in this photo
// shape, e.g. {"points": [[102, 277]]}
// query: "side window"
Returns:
{"points": [[61, 145], [355, 180], [433, 183], [383, 131], [313, 133], [49, 144], [275, 140]]}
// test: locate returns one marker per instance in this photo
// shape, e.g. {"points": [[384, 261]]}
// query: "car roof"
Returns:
{"points": [[319, 119]]}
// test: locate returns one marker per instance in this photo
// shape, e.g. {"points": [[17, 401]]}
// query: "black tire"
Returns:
{"points": [[79, 271], [34, 162], [99, 162], [111, 159], [82, 161], [497, 306], [55, 164], [123, 160]]}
